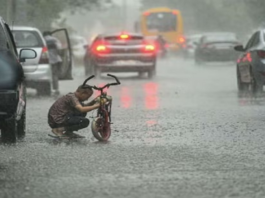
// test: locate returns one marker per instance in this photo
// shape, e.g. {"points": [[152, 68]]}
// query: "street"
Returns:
{"points": [[184, 134]]}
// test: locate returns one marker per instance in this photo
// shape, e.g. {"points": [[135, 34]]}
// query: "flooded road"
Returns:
{"points": [[184, 133]]}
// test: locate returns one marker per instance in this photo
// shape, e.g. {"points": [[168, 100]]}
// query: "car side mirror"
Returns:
{"points": [[27, 54], [239, 48]]}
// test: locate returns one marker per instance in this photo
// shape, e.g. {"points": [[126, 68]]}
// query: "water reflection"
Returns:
{"points": [[248, 98], [151, 103], [151, 98], [126, 99]]}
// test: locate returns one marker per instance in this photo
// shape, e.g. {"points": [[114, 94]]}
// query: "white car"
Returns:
{"points": [[38, 71], [78, 46], [191, 44]]}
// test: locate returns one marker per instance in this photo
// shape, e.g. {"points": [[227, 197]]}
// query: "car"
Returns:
{"points": [[161, 53], [250, 65], [216, 47], [38, 71], [78, 43], [12, 86], [120, 52], [191, 45]]}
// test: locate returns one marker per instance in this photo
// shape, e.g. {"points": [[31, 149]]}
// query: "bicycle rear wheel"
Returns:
{"points": [[101, 127]]}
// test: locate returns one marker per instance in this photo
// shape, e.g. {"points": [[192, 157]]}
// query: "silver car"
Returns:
{"points": [[37, 71], [251, 64]]}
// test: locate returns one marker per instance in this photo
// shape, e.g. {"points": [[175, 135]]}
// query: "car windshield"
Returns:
{"points": [[27, 39], [117, 40], [3, 42], [161, 22]]}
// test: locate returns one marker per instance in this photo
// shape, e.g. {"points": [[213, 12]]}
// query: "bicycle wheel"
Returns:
{"points": [[101, 127]]}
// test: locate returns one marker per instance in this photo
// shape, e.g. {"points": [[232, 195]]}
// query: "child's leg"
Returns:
{"points": [[75, 123]]}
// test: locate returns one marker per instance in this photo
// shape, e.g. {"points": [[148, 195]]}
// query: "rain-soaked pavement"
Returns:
{"points": [[183, 134]]}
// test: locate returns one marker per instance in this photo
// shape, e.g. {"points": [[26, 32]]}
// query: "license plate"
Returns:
{"points": [[129, 62]]}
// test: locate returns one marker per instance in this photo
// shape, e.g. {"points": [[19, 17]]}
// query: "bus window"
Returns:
{"points": [[161, 22]]}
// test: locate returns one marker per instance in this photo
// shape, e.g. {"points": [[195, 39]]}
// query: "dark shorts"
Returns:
{"points": [[73, 122]]}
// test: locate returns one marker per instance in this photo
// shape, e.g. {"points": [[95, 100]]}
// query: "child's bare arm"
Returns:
{"points": [[90, 103], [85, 109]]}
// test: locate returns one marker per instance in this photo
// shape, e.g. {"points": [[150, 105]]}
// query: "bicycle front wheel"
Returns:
{"points": [[101, 127]]}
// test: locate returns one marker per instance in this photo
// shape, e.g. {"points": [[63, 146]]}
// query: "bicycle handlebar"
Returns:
{"points": [[89, 78], [107, 85]]}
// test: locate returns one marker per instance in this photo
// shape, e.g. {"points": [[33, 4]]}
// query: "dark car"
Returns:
{"points": [[120, 53], [216, 47], [251, 63], [12, 87]]}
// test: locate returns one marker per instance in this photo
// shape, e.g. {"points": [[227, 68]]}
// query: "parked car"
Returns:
{"points": [[38, 71], [78, 43], [251, 63], [191, 45], [216, 47], [12, 86], [120, 53]]}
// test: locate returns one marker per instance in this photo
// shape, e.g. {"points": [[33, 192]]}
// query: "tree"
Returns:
{"points": [[41, 13]]}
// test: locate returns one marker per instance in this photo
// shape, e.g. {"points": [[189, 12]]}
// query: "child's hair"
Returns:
{"points": [[85, 88]]}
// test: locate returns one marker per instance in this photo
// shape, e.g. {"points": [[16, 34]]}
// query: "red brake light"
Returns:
{"points": [[149, 48], [101, 48], [44, 58], [146, 13], [261, 54], [124, 36], [181, 39], [249, 58]]}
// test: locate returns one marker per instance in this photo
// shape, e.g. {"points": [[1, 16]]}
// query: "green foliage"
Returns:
{"points": [[41, 13]]}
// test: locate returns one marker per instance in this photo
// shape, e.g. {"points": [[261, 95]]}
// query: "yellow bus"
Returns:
{"points": [[165, 22]]}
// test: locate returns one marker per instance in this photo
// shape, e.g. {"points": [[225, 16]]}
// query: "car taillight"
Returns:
{"points": [[146, 13], [44, 58], [181, 39], [261, 54], [149, 48], [249, 58], [101, 48], [124, 36]]}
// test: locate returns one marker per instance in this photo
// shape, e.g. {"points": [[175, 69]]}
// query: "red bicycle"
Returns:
{"points": [[101, 123]]}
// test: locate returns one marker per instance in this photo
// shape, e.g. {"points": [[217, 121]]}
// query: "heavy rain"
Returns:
{"points": [[184, 117]]}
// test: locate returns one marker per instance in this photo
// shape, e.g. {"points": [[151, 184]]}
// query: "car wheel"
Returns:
{"points": [[44, 89], [242, 87], [151, 73], [21, 126], [9, 131], [255, 87]]}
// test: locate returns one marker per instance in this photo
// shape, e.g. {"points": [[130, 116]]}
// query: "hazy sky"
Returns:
{"points": [[88, 23], [128, 2]]}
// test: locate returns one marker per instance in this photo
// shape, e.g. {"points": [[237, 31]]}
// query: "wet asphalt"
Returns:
{"points": [[184, 134]]}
